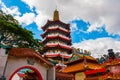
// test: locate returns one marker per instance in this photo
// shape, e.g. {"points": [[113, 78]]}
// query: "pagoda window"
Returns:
{"points": [[53, 51], [50, 51]]}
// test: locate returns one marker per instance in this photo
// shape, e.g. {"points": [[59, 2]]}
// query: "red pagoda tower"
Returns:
{"points": [[57, 39]]}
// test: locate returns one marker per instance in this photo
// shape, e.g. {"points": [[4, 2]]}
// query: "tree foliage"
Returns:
{"points": [[12, 34]]}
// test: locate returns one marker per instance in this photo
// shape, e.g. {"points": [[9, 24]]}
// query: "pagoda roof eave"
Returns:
{"points": [[57, 37], [59, 45], [57, 21], [46, 48], [43, 35], [57, 55]]}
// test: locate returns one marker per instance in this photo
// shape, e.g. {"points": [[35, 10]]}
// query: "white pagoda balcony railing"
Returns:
{"points": [[55, 44], [54, 35], [58, 53], [57, 34]]}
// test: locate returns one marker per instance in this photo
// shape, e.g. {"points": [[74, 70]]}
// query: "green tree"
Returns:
{"points": [[12, 34]]}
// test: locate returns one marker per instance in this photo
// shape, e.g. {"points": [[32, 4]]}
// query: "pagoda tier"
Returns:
{"points": [[58, 56], [57, 38], [56, 29], [60, 37], [58, 22], [59, 47]]}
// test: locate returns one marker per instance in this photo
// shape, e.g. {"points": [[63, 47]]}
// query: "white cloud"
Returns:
{"points": [[99, 46], [43, 8], [74, 27], [26, 19], [94, 27], [97, 12], [40, 20], [30, 3], [12, 10]]}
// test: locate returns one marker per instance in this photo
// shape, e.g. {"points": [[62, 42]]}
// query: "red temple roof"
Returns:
{"points": [[111, 62], [26, 52], [81, 67], [90, 72]]}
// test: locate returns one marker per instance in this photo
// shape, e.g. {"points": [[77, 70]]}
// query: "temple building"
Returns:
{"points": [[80, 64], [57, 40], [112, 66]]}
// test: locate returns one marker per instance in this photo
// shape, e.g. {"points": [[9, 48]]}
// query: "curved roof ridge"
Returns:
{"points": [[27, 52]]}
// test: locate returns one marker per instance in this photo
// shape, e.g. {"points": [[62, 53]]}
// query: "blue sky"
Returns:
{"points": [[94, 24]]}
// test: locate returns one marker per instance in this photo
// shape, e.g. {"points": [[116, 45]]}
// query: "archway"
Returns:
{"points": [[30, 67]]}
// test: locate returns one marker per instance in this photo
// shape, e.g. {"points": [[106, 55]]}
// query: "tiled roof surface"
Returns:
{"points": [[26, 52], [64, 75], [87, 57], [111, 62], [80, 66]]}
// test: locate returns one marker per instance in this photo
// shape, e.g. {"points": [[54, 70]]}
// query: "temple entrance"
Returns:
{"points": [[26, 73], [30, 62]]}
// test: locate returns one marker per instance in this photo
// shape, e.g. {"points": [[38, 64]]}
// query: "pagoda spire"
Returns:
{"points": [[56, 15]]}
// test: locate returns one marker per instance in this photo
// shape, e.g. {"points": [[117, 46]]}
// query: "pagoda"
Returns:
{"points": [[57, 40]]}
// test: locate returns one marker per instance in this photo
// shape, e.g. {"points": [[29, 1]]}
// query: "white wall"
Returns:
{"points": [[3, 58], [16, 63], [16, 77]]}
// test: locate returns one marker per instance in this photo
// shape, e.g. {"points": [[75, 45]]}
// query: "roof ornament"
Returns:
{"points": [[56, 15], [111, 54]]}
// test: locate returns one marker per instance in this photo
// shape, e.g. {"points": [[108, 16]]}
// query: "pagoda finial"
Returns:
{"points": [[56, 15]]}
